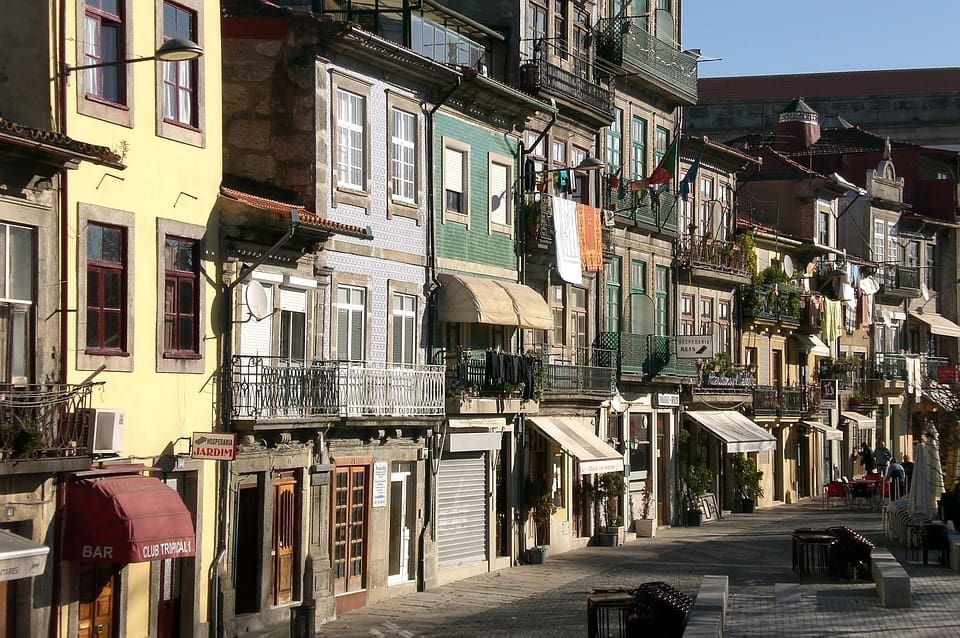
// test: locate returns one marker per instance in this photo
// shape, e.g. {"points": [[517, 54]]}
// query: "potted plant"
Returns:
{"points": [[610, 489], [540, 506], [747, 480], [646, 526], [699, 479]]}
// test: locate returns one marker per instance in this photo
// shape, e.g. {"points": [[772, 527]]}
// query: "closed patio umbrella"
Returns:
{"points": [[927, 484]]}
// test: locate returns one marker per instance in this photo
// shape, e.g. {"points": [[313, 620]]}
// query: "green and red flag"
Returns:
{"points": [[664, 171]]}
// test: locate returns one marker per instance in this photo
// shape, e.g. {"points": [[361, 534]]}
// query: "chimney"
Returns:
{"points": [[798, 127]]}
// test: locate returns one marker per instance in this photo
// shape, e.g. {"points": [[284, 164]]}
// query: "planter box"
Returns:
{"points": [[608, 539], [748, 505], [645, 527], [694, 517], [537, 555]]}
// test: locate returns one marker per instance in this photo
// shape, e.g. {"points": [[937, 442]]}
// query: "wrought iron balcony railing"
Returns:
{"points": [[583, 369], [44, 420], [741, 379], [274, 388], [648, 355], [771, 302], [660, 213], [539, 74], [628, 45], [786, 401], [726, 257], [849, 371], [472, 373], [894, 277]]}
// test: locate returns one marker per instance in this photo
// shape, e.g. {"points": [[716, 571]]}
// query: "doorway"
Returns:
{"points": [[401, 523], [98, 585]]}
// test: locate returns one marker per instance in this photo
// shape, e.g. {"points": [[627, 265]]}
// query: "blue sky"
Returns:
{"points": [[763, 37]]}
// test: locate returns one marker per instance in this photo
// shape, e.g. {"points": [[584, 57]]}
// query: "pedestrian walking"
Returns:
{"points": [[907, 469], [896, 477], [881, 458], [866, 457]]}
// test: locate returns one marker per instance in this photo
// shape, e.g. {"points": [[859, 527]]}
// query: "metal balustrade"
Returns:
{"points": [[771, 302], [648, 355], [581, 369], [713, 254], [660, 213], [540, 74], [44, 420], [786, 401], [274, 388], [899, 277]]}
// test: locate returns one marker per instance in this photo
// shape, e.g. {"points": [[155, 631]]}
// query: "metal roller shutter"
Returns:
{"points": [[462, 509]]}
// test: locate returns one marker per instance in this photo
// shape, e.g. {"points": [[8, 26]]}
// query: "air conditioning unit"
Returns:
{"points": [[106, 430]]}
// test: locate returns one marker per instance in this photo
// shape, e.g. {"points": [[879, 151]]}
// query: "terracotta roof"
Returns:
{"points": [[284, 208], [58, 142], [818, 85]]}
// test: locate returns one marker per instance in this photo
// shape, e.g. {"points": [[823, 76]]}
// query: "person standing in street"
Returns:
{"points": [[907, 469], [897, 478], [881, 458]]}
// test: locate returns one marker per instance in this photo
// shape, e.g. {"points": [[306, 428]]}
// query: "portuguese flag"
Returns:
{"points": [[666, 168]]}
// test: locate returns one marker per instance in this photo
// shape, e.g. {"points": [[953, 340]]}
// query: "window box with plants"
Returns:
{"points": [[748, 482], [539, 507]]}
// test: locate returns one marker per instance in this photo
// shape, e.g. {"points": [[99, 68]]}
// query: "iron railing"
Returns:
{"points": [[274, 388], [726, 257], [895, 276], [648, 355], [44, 420], [469, 373], [539, 74], [741, 379], [771, 302], [581, 369], [659, 212], [849, 371], [625, 43], [786, 401]]}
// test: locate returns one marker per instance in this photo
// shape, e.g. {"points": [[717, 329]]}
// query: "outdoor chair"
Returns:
{"points": [[834, 492]]}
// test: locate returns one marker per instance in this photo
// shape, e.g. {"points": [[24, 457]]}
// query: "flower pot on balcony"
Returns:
{"points": [[645, 527]]}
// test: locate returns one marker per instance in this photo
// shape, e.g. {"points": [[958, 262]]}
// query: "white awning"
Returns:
{"points": [[575, 435], [812, 344], [938, 324], [20, 557], [465, 299], [739, 433], [862, 420], [531, 308], [830, 433]]}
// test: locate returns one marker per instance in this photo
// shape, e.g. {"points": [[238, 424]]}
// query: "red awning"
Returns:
{"points": [[126, 519]]}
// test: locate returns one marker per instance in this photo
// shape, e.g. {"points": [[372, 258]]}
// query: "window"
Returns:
{"points": [[560, 26], [878, 240], [556, 308], [536, 29], [558, 154], [181, 307], [686, 315], [578, 316], [615, 142], [293, 325], [725, 223], [706, 316], [581, 179], [638, 141], [403, 155], [661, 144], [639, 445], [662, 307], [180, 78], [707, 202], [893, 246], [456, 181], [912, 256], [351, 323], [351, 116], [349, 537], [723, 334], [104, 40], [686, 216], [823, 228], [614, 278], [501, 204], [404, 328], [751, 357], [106, 289], [638, 291], [930, 266], [17, 271]]}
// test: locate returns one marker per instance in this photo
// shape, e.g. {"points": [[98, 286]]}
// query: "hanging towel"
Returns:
{"points": [[832, 320]]}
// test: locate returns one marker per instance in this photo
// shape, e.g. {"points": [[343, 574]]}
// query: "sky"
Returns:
{"points": [[772, 37]]}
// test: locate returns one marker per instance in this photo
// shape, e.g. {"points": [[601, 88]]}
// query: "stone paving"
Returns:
{"points": [[754, 550]]}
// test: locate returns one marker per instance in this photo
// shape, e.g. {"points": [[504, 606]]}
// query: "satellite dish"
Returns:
{"points": [[788, 265], [256, 298], [925, 292]]}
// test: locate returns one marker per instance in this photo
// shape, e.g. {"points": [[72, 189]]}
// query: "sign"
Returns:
{"points": [[829, 393], [668, 399], [380, 480], [211, 445], [695, 346]]}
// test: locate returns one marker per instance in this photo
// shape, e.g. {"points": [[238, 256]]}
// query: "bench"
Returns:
{"points": [[892, 580], [709, 609]]}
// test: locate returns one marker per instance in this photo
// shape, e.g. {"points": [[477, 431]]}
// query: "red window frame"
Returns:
{"points": [[94, 9], [98, 273], [178, 312], [180, 77]]}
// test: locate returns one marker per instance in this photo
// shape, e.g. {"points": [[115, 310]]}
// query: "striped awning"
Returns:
{"points": [[739, 433]]}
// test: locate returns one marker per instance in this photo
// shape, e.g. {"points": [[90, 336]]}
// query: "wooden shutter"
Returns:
{"points": [[284, 539], [349, 528], [256, 335]]}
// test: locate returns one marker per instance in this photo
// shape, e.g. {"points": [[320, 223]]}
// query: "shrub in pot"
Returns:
{"points": [[747, 482]]}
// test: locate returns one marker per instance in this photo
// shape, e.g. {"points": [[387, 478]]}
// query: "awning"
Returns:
{"points": [[862, 420], [830, 433], [532, 309], [20, 557], [938, 324], [574, 435], [738, 432], [812, 344], [129, 518], [465, 299], [474, 300]]}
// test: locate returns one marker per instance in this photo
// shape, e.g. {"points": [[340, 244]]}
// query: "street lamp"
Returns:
{"points": [[173, 50]]}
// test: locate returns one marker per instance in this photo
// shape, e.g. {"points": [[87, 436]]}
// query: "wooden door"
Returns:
{"points": [[98, 586], [284, 539], [168, 606], [349, 528], [8, 608]]}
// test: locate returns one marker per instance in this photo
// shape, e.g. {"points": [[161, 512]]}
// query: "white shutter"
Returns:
{"points": [[453, 170], [499, 197], [256, 335], [293, 300], [462, 509]]}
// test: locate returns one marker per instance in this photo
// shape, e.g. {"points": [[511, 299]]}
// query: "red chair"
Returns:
{"points": [[834, 490]]}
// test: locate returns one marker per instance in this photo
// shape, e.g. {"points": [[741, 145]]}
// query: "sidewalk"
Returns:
{"points": [[754, 550]]}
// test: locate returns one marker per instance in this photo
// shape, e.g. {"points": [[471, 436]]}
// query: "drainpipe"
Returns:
{"points": [[226, 407]]}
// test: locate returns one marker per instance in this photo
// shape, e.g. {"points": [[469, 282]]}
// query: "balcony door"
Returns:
{"points": [[17, 299], [349, 537], [401, 523]]}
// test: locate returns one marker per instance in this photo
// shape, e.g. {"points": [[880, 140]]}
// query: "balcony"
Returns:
{"points": [[771, 304], [660, 215], [785, 402], [849, 371], [541, 77], [714, 260], [899, 282], [672, 73], [471, 388], [648, 355], [715, 386], [811, 319], [271, 389], [579, 370], [44, 423]]}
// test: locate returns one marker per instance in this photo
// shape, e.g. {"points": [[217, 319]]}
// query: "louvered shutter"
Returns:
{"points": [[462, 509]]}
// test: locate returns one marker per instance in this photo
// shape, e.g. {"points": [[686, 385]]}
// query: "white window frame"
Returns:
{"points": [[504, 198], [346, 192], [354, 312], [403, 156], [184, 133], [464, 151], [407, 318], [350, 156]]}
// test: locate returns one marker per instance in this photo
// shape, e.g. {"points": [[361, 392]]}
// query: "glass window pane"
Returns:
{"points": [[93, 329], [112, 290], [93, 288], [187, 298], [112, 244], [186, 333], [94, 242], [111, 330]]}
